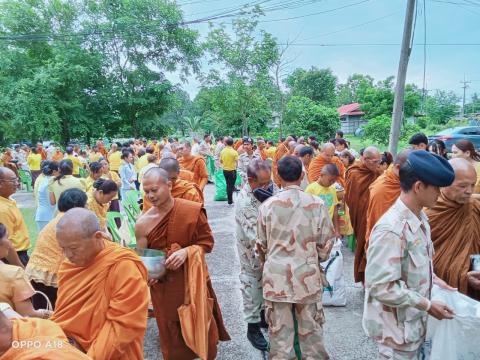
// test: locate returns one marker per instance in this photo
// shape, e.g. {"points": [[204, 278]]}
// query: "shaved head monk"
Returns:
{"points": [[282, 150], [455, 226], [326, 156], [101, 309], [177, 226], [358, 179], [384, 192], [195, 164], [180, 188], [46, 340]]}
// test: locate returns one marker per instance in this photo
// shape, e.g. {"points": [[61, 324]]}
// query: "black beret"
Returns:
{"points": [[247, 140], [431, 169]]}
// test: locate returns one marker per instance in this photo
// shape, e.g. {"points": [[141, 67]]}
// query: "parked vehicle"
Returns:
{"points": [[452, 135]]}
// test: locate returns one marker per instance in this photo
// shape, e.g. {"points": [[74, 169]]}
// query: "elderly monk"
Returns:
{"points": [[102, 298], [326, 156], [46, 339], [261, 151], [455, 226], [282, 150], [181, 189], [195, 164], [176, 226], [384, 192], [358, 179]]}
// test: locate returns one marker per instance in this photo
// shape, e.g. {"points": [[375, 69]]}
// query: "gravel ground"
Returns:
{"points": [[344, 336]]}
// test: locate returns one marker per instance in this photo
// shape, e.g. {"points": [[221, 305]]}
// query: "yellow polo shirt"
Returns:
{"points": [[229, 158], [34, 161], [115, 160], [141, 162], [12, 218], [94, 157], [271, 152], [76, 164]]}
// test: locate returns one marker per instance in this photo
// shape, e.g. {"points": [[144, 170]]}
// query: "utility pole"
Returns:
{"points": [[401, 77], [464, 87]]}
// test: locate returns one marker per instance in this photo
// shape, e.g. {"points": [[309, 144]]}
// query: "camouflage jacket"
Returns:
{"points": [[246, 214], [293, 230], [398, 279], [243, 161]]}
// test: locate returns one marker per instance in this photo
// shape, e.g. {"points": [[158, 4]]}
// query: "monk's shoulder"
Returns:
{"points": [[184, 205]]}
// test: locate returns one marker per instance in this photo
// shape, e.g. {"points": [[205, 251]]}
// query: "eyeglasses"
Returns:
{"points": [[374, 161]]}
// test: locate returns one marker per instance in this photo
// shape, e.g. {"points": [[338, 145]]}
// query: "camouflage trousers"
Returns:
{"points": [[281, 331], [389, 353], [252, 293]]}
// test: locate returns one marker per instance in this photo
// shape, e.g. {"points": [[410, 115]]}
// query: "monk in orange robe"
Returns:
{"points": [[58, 155], [455, 227], [383, 193], [358, 179], [102, 150], [181, 189], [46, 340], [238, 144], [195, 164], [282, 150], [41, 151], [326, 156], [261, 150], [102, 298], [174, 225]]}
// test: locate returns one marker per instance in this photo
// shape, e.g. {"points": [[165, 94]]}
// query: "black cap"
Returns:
{"points": [[247, 139], [431, 169]]}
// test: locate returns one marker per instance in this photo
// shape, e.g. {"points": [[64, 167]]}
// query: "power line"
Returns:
{"points": [[378, 44]]}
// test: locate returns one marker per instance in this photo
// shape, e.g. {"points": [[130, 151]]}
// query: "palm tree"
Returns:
{"points": [[193, 124]]}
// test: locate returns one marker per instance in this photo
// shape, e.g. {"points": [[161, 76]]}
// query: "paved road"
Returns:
{"points": [[344, 336]]}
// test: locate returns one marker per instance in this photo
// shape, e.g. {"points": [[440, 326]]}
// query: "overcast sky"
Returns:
{"points": [[368, 22]]}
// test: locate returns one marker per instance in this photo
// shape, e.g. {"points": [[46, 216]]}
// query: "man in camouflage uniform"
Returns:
{"points": [[244, 159], [295, 234], [246, 212], [399, 273]]}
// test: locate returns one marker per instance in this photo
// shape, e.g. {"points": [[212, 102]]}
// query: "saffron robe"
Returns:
{"points": [[198, 166], [101, 308], [282, 150], [185, 225], [358, 179], [455, 236], [317, 165], [50, 342]]}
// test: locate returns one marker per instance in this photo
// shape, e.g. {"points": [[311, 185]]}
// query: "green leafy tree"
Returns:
{"points": [[354, 89], [377, 130], [240, 99], [316, 84], [305, 117], [442, 106]]}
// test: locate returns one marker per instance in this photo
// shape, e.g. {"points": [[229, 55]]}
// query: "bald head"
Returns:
{"points": [[6, 173], [400, 160], [80, 237], [8, 182], [297, 150], [371, 158], [327, 151], [331, 170], [291, 146], [371, 151], [463, 186], [156, 174]]}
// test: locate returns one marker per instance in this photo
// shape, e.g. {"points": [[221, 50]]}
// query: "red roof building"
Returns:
{"points": [[351, 117]]}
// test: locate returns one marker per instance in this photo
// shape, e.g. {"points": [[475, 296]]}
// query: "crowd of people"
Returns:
{"points": [[414, 217]]}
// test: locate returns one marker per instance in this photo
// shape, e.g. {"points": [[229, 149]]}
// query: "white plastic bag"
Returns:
{"points": [[335, 294], [458, 338]]}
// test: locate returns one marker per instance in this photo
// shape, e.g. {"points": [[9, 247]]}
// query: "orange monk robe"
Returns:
{"points": [[103, 306], [317, 165], [198, 166], [263, 154], [237, 144], [185, 225], [455, 232], [185, 175], [103, 151], [43, 153], [282, 150], [181, 189], [48, 342], [358, 179], [58, 156], [384, 191]]}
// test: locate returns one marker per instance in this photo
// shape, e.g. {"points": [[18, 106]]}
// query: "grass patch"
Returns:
{"points": [[29, 217]]}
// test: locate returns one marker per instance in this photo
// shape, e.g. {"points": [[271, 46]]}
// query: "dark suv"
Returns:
{"points": [[452, 135]]}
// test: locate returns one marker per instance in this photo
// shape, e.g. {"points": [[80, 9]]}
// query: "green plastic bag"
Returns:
{"points": [[296, 343], [220, 187], [210, 168]]}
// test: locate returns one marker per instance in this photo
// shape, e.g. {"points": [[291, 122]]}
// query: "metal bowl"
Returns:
{"points": [[154, 261]]}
